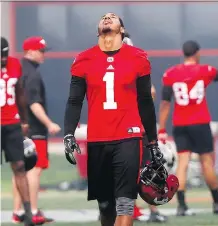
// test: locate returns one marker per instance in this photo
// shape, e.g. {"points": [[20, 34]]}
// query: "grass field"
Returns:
{"points": [[73, 203]]}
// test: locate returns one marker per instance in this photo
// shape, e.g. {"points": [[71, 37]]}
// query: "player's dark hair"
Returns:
{"points": [[4, 51], [4, 45], [122, 25], [121, 22], [190, 48]]}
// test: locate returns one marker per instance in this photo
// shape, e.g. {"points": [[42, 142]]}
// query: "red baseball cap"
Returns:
{"points": [[35, 43]]}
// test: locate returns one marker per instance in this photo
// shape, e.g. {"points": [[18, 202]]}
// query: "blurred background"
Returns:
{"points": [[71, 27]]}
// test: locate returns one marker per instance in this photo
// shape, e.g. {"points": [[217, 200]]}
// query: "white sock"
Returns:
{"points": [[19, 212], [34, 212]]}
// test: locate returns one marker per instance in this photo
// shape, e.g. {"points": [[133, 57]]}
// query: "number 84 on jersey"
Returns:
{"points": [[184, 96]]}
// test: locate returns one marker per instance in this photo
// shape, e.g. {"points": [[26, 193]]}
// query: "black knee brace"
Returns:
{"points": [[107, 207]]}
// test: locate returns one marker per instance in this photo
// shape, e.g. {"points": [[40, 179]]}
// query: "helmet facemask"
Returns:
{"points": [[154, 175]]}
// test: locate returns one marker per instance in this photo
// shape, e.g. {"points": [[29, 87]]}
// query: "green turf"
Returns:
{"points": [[60, 171], [77, 200], [200, 220]]}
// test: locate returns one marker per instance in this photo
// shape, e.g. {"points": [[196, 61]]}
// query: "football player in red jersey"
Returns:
{"points": [[187, 82], [155, 216], [115, 77], [13, 113]]}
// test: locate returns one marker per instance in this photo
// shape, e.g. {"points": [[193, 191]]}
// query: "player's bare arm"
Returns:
{"points": [[153, 92], [34, 100], [39, 112], [164, 111], [21, 104]]}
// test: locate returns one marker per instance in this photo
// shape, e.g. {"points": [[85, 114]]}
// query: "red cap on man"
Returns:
{"points": [[35, 43]]}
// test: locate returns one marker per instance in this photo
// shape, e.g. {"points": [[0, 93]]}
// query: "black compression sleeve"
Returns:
{"points": [[146, 107], [167, 93], [74, 104]]}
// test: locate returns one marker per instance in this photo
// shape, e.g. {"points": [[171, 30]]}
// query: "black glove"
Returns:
{"points": [[71, 146], [156, 154]]}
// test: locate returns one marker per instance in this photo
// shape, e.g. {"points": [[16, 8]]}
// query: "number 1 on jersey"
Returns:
{"points": [[110, 104]]}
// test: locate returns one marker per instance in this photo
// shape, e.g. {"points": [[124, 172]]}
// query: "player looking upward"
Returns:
{"points": [[115, 77]]}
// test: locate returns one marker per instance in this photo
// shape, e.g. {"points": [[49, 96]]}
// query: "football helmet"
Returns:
{"points": [[156, 187], [169, 154], [30, 154]]}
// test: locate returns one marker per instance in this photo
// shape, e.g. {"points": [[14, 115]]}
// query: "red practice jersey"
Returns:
{"points": [[111, 91], [8, 80], [189, 83]]}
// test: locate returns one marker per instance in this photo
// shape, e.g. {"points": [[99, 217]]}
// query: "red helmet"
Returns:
{"points": [[156, 186]]}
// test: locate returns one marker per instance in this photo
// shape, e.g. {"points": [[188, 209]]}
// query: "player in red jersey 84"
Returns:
{"points": [[187, 82]]}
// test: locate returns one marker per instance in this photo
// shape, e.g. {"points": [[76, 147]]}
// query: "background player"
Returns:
{"points": [[39, 121], [120, 86], [191, 118], [155, 216], [13, 113]]}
